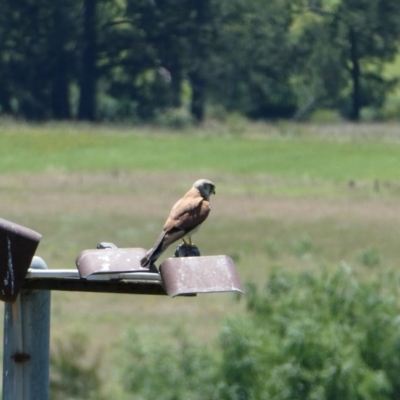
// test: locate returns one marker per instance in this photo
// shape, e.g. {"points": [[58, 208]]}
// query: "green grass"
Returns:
{"points": [[92, 149]]}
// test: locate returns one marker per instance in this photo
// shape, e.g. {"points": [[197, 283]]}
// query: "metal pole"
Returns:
{"points": [[26, 344]]}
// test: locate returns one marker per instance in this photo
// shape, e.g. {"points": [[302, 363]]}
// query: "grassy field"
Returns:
{"points": [[288, 196], [277, 152]]}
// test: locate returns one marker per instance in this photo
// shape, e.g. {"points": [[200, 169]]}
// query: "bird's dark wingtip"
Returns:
{"points": [[144, 262]]}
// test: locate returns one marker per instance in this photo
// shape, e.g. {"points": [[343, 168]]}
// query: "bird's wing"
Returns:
{"points": [[188, 213], [164, 240]]}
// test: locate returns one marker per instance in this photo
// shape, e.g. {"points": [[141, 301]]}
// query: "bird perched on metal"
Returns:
{"points": [[184, 220]]}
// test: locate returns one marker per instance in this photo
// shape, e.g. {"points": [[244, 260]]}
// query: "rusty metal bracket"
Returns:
{"points": [[17, 248]]}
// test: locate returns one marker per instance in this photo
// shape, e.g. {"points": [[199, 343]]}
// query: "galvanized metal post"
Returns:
{"points": [[26, 344]]}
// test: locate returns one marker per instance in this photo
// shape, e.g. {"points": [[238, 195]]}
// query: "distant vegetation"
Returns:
{"points": [[174, 62]]}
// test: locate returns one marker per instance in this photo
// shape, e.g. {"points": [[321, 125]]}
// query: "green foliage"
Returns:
{"points": [[306, 337], [324, 116], [302, 246], [254, 78], [175, 118], [361, 37], [179, 371], [130, 59], [272, 247], [236, 123], [309, 337], [370, 257], [71, 377]]}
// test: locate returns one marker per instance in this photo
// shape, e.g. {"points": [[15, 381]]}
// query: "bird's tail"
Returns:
{"points": [[153, 253], [146, 260], [150, 258]]}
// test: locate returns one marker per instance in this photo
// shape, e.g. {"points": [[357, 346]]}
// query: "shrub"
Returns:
{"points": [[177, 118], [72, 377], [303, 247], [369, 257], [331, 337], [169, 371], [305, 337]]}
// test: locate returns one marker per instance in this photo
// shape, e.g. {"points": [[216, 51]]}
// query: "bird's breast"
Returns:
{"points": [[193, 231]]}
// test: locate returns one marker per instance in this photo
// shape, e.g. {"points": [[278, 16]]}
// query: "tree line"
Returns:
{"points": [[135, 59]]}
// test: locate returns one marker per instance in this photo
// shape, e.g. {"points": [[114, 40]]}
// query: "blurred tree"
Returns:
{"points": [[362, 35], [61, 61], [139, 58], [253, 61], [202, 35], [24, 53], [5, 78], [178, 34], [88, 70], [35, 62]]}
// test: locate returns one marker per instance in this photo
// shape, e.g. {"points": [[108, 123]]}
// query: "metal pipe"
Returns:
{"points": [[98, 286], [26, 345], [71, 274]]}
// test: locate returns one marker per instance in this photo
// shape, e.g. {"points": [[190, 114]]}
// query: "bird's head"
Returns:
{"points": [[205, 187]]}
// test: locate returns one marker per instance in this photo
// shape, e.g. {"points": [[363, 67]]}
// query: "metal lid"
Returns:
{"points": [[191, 275], [109, 261], [17, 248]]}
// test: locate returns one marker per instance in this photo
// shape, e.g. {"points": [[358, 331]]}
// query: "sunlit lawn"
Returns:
{"points": [[266, 151]]}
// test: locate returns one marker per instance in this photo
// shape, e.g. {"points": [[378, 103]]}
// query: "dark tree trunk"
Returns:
{"points": [[5, 92], [198, 97], [60, 86], [355, 76], [5, 100], [87, 99], [198, 74], [176, 82]]}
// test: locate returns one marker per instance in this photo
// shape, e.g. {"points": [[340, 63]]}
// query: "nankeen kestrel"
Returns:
{"points": [[184, 220]]}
